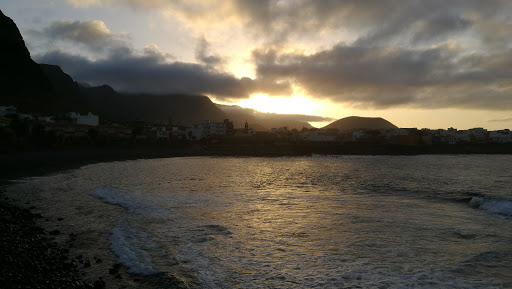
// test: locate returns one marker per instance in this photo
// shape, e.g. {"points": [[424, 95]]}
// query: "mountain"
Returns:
{"points": [[23, 83], [264, 121], [177, 108], [357, 122], [70, 98]]}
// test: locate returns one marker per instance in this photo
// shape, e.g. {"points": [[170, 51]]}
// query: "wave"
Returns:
{"points": [[128, 248], [126, 241], [327, 156], [492, 205], [132, 201]]}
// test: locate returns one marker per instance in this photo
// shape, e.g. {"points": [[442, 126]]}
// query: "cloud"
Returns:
{"points": [[202, 56], [92, 34], [381, 77], [425, 54], [147, 70], [505, 119], [86, 3], [150, 72], [373, 22]]}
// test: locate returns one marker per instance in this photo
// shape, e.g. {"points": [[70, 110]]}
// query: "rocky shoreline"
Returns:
{"points": [[37, 248], [29, 257]]}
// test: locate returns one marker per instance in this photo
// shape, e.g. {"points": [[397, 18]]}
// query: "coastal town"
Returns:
{"points": [[18, 129]]}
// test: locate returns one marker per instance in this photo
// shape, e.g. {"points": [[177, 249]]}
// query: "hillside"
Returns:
{"points": [[177, 108], [69, 96], [357, 122], [23, 83]]}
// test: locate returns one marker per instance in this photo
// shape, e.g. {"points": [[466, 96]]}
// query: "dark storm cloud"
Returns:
{"points": [[385, 76], [149, 70], [126, 71]]}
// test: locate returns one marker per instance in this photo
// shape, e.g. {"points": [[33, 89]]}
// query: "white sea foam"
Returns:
{"points": [[116, 197], [494, 206], [134, 202], [27, 180], [126, 243]]}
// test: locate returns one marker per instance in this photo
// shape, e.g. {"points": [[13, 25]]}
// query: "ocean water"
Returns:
{"points": [[308, 222]]}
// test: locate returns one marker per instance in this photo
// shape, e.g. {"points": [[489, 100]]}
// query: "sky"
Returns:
{"points": [[425, 64]]}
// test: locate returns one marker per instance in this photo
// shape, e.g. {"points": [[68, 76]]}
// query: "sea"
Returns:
{"points": [[320, 221]]}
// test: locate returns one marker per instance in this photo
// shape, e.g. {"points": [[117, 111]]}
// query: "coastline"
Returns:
{"points": [[59, 257], [44, 245]]}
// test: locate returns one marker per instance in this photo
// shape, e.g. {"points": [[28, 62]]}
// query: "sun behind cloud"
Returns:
{"points": [[296, 104]]}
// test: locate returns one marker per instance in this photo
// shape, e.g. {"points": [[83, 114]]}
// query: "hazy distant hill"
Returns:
{"points": [[357, 122], [263, 121], [23, 83]]}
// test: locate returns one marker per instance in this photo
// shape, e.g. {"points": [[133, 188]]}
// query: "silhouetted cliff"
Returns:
{"points": [[69, 96], [23, 83]]}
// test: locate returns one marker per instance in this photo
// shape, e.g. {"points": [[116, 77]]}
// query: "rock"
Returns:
{"points": [[99, 284], [113, 271], [55, 232]]}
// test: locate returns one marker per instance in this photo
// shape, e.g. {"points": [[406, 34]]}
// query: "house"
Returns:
{"points": [[211, 128], [6, 110], [194, 132], [319, 135], [230, 130], [357, 134], [88, 119], [501, 136], [45, 119]]}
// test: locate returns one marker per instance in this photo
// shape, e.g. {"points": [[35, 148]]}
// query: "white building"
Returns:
{"points": [[213, 128], [501, 136], [357, 134], [194, 133], [5, 110], [45, 119], [160, 133], [88, 119], [319, 135]]}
